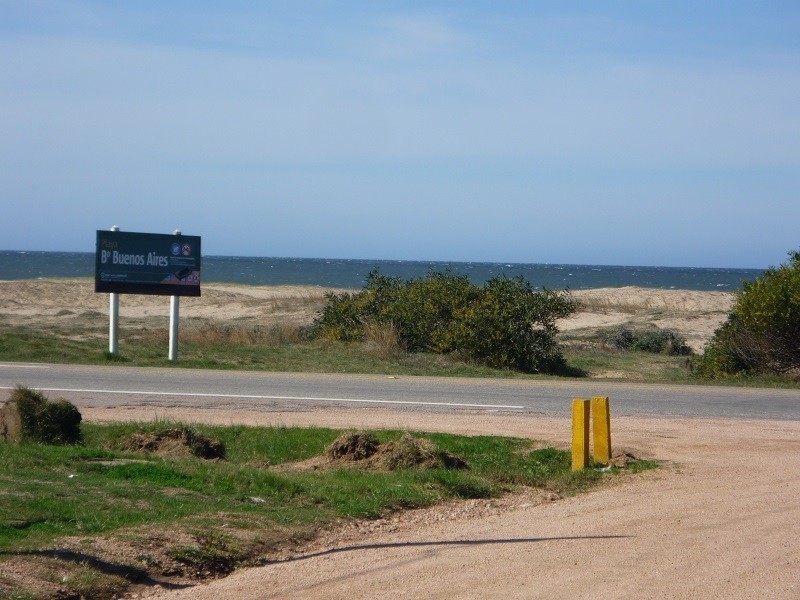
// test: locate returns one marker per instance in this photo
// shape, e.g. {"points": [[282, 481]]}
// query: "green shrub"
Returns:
{"points": [[762, 332], [345, 315], [660, 341], [728, 353], [427, 311], [620, 337], [45, 421], [655, 340], [503, 324], [511, 326]]}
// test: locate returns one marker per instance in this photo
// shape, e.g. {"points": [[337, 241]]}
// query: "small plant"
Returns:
{"points": [[211, 556], [620, 337], [43, 420]]}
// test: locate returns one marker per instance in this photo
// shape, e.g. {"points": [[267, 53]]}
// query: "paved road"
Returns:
{"points": [[111, 386]]}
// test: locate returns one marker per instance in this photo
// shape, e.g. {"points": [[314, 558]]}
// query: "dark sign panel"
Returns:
{"points": [[147, 263]]}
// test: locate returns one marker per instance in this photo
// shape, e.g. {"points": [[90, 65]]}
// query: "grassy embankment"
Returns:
{"points": [[92, 518], [211, 346]]}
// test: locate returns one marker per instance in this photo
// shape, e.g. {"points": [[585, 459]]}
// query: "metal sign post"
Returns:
{"points": [[174, 309], [113, 318]]}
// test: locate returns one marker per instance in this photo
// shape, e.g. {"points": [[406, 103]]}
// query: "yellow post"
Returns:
{"points": [[580, 434], [601, 426]]}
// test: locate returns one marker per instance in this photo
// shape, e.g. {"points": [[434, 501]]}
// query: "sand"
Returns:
{"points": [[53, 300]]}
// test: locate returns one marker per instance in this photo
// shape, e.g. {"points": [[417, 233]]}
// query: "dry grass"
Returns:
{"points": [[383, 339], [206, 332], [633, 300], [602, 304]]}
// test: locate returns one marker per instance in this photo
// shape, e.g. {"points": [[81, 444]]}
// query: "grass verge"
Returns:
{"points": [[96, 518], [86, 343]]}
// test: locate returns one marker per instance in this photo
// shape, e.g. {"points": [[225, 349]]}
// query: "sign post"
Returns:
{"points": [[113, 318], [174, 308], [146, 263]]}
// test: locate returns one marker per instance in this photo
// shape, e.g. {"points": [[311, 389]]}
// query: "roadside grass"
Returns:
{"points": [[142, 347], [246, 346], [622, 365], [645, 367], [198, 518]]}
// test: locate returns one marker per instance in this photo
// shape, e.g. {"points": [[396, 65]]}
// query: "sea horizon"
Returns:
{"points": [[352, 272]]}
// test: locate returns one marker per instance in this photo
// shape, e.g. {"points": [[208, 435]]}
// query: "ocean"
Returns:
{"points": [[350, 273]]}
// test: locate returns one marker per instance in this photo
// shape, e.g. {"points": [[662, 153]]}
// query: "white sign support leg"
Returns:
{"points": [[174, 307], [113, 324], [113, 317]]}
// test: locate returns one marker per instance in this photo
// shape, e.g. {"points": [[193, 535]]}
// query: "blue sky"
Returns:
{"points": [[641, 132]]}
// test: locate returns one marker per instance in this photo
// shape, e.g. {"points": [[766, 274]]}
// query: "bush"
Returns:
{"points": [[656, 341], [503, 324], [762, 333], [620, 337], [511, 326], [45, 421], [346, 314], [729, 352]]}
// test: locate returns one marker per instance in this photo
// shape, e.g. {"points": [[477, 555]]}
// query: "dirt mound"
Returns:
{"points": [[353, 446], [176, 442], [411, 452], [359, 450]]}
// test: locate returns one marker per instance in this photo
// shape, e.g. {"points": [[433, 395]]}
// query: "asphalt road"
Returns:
{"points": [[112, 386]]}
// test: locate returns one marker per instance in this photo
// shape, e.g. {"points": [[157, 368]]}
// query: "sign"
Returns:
{"points": [[147, 263]]}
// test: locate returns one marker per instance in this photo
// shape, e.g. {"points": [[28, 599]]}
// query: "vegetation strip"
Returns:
{"points": [[420, 328], [131, 496]]}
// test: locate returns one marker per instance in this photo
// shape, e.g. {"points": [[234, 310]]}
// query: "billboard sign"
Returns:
{"points": [[147, 263]]}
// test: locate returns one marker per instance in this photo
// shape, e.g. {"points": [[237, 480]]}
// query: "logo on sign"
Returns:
{"points": [[186, 249], [176, 249]]}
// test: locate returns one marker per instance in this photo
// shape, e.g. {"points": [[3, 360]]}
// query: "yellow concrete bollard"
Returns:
{"points": [[580, 434], [601, 429]]}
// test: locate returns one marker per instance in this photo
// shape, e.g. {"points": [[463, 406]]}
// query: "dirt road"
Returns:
{"points": [[720, 519]]}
